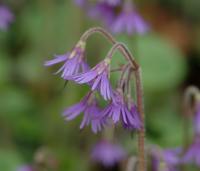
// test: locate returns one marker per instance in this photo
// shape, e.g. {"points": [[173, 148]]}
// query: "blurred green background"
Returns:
{"points": [[32, 99]]}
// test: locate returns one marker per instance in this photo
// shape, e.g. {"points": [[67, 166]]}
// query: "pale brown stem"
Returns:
{"points": [[141, 133], [123, 49]]}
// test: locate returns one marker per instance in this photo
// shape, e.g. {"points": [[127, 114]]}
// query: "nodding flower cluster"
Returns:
{"points": [[120, 106], [120, 16], [6, 17]]}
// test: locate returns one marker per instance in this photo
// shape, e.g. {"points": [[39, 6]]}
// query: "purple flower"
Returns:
{"points": [[88, 105], [165, 160], [172, 156], [102, 11], [25, 168], [197, 120], [111, 2], [107, 154], [6, 17], [193, 153], [97, 78], [129, 21], [81, 3], [73, 62], [118, 109]]}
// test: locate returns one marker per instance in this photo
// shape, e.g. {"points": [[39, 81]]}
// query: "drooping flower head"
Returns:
{"points": [[73, 62], [97, 78], [135, 115], [6, 17], [118, 109], [192, 154], [88, 105], [165, 160], [129, 21], [107, 154]]}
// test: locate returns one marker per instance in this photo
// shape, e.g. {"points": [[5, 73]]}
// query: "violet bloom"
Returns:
{"points": [[135, 114], [192, 155], [107, 154], [25, 168], [102, 11], [88, 105], [6, 17], [73, 62], [81, 3], [165, 160], [118, 110], [172, 158], [97, 78], [111, 2], [129, 21]]}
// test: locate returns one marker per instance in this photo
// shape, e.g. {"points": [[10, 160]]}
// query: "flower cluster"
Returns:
{"points": [[119, 107], [6, 17], [119, 16], [107, 153]]}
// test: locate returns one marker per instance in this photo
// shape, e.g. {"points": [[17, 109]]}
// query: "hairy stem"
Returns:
{"points": [[141, 133]]}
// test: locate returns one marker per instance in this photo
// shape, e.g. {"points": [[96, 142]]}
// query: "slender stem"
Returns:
{"points": [[122, 80], [139, 89], [116, 69], [129, 82], [141, 136], [190, 97], [122, 47], [100, 30]]}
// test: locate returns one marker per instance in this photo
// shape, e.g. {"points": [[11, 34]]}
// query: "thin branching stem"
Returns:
{"points": [[122, 47], [139, 88]]}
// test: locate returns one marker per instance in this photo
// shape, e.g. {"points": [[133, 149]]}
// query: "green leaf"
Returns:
{"points": [[163, 66]]}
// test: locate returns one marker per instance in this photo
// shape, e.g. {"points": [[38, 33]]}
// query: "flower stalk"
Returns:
{"points": [[121, 106], [139, 88]]}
